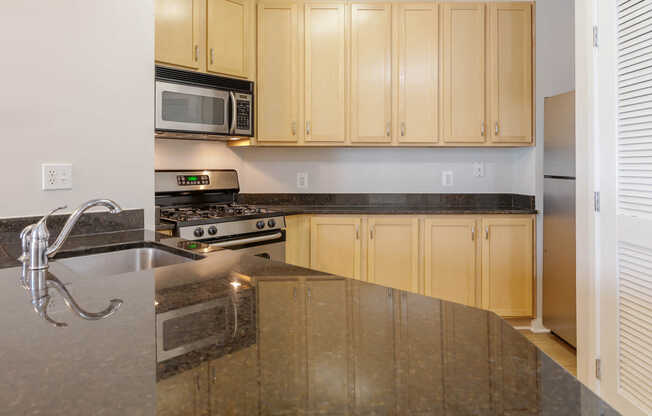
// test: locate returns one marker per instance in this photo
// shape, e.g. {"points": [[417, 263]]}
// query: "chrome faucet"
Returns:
{"points": [[35, 237]]}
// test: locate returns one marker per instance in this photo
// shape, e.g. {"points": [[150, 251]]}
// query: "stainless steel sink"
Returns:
{"points": [[122, 261]]}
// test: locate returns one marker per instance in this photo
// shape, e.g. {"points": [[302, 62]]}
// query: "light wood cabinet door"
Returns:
{"points": [[510, 72], [371, 73], [327, 346], [335, 245], [281, 329], [418, 72], [508, 265], [374, 348], [184, 394], [325, 72], [278, 73], [393, 252], [227, 28], [451, 258], [234, 383], [178, 32], [297, 240], [463, 73]]}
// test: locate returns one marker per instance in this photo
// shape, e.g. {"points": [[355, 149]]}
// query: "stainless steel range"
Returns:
{"points": [[202, 206]]}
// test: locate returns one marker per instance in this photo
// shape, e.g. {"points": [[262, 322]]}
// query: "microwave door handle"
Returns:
{"points": [[233, 113]]}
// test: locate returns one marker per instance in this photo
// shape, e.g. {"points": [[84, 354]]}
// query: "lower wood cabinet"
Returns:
{"points": [[335, 245], [233, 385], [184, 394], [483, 261]]}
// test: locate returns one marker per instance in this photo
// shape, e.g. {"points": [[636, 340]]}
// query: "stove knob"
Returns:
{"points": [[212, 230], [199, 232], [260, 225], [271, 223]]}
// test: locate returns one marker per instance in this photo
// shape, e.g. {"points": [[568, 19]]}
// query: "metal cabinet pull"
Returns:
{"points": [[294, 128], [212, 55], [294, 292], [307, 127], [473, 233], [389, 292], [357, 232], [214, 375], [403, 129], [197, 382], [371, 232], [496, 129], [309, 295], [196, 52], [486, 233], [482, 129], [388, 128]]}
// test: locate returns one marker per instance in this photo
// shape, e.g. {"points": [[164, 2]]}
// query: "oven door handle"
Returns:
{"points": [[234, 116], [232, 243]]}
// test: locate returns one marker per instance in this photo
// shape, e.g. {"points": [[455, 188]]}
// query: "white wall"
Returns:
{"points": [[77, 84]]}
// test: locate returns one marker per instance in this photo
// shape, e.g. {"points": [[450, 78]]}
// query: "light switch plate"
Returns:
{"points": [[56, 176], [302, 180]]}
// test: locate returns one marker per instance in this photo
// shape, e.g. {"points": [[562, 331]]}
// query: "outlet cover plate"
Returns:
{"points": [[478, 169], [447, 178], [56, 176], [302, 180]]}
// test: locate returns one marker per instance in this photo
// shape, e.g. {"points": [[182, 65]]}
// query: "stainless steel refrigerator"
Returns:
{"points": [[559, 312]]}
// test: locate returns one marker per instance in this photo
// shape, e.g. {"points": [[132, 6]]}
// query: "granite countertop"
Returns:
{"points": [[284, 340], [385, 204]]}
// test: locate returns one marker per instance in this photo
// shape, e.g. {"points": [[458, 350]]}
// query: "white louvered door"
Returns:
{"points": [[624, 97]]}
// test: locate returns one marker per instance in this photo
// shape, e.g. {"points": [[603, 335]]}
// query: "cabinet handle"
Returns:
{"points": [[307, 128], [357, 232], [294, 292], [389, 292], [214, 375], [309, 295], [197, 383], [496, 129], [294, 128], [473, 233], [371, 232], [482, 129], [486, 233], [212, 56], [196, 53], [403, 129], [388, 128]]}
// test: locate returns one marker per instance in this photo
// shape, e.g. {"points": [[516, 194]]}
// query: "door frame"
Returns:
{"points": [[587, 165]]}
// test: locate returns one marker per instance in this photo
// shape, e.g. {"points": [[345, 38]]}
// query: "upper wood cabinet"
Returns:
{"points": [[371, 73], [508, 265], [227, 32], [178, 32], [451, 254], [335, 245], [393, 252], [463, 73], [278, 73], [325, 72], [417, 39], [510, 72]]}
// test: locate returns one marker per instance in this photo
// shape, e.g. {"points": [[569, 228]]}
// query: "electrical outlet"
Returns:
{"points": [[302, 180], [478, 169], [56, 176], [447, 178]]}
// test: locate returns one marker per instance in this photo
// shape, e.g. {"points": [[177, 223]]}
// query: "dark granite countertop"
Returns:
{"points": [[386, 204], [283, 340]]}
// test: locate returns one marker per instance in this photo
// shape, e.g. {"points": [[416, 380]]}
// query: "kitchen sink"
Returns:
{"points": [[124, 260]]}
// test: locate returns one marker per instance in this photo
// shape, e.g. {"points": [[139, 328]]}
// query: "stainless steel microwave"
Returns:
{"points": [[192, 105]]}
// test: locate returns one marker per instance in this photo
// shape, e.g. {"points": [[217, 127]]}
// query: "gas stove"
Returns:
{"points": [[201, 205]]}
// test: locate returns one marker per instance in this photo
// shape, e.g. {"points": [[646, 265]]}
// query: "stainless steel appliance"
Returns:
{"points": [[559, 312], [192, 105], [202, 206]]}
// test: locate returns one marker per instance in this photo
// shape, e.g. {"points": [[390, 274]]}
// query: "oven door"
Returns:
{"points": [[185, 108], [270, 245], [182, 330]]}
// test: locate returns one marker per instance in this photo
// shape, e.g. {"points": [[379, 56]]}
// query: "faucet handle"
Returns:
{"points": [[41, 229]]}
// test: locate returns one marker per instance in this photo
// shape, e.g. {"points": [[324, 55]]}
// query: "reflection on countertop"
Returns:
{"points": [[273, 339]]}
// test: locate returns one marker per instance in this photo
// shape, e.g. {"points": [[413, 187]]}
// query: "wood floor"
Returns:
{"points": [[558, 350]]}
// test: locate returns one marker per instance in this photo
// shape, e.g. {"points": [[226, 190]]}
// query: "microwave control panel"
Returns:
{"points": [[243, 112], [187, 180]]}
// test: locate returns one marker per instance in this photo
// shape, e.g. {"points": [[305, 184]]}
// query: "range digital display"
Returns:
{"points": [[188, 180]]}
